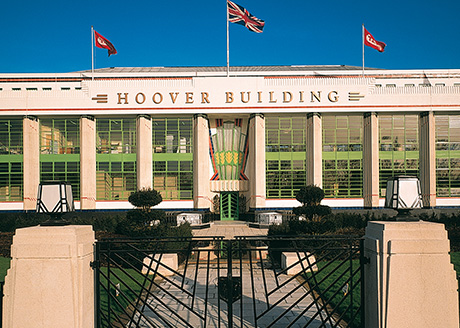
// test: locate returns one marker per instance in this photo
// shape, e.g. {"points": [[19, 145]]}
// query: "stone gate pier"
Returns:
{"points": [[409, 280]]}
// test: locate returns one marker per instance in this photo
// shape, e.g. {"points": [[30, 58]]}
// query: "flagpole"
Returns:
{"points": [[92, 53], [228, 44], [363, 48]]}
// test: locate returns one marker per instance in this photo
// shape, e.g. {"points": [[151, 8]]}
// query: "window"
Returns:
{"points": [[116, 136], [399, 147], [447, 136], [60, 151], [285, 155], [116, 176], [172, 140], [11, 169], [342, 156], [60, 136], [61, 168]]}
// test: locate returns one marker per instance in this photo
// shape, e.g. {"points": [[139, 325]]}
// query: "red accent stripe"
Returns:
{"points": [[226, 108]]}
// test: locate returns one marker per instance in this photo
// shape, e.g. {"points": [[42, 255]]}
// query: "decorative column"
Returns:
{"points": [[87, 163], [314, 150], [371, 160], [256, 160], [50, 283], [427, 158], [201, 185], [31, 157], [144, 151], [409, 280]]}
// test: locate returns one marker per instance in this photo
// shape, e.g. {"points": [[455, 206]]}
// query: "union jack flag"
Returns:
{"points": [[239, 15]]}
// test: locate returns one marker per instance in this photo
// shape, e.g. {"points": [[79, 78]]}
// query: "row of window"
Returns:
{"points": [[172, 140], [343, 158]]}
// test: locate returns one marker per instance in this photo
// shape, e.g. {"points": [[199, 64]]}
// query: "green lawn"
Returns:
{"points": [[4, 266], [336, 289], [130, 284], [455, 259]]}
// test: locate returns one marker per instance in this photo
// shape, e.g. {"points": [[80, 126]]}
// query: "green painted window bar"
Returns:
{"points": [[60, 151], [116, 175], [285, 155], [398, 147], [447, 155], [342, 156], [172, 140], [11, 169]]}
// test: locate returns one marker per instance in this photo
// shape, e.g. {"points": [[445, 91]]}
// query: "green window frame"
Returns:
{"points": [[342, 156], [447, 136], [116, 175], [172, 140], [398, 147], [60, 151], [61, 168], [285, 156], [11, 179], [60, 136], [11, 158]]}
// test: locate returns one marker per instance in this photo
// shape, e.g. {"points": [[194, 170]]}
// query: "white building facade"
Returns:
{"points": [[250, 140]]}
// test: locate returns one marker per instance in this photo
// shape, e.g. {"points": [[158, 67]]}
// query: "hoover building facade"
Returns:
{"points": [[248, 140]]}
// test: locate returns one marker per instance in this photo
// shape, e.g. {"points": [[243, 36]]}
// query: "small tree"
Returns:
{"points": [[311, 197], [145, 199], [141, 219]]}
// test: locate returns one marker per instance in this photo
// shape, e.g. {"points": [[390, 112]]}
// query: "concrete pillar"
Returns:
{"points": [[409, 280], [201, 185], [314, 150], [427, 158], [371, 160], [87, 163], [144, 152], [256, 162], [31, 157], [50, 282]]}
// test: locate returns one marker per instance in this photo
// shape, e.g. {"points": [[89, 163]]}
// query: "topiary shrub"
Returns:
{"points": [[311, 209], [144, 221], [145, 199]]}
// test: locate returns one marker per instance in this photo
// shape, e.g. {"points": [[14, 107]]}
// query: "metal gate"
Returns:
{"points": [[244, 282]]}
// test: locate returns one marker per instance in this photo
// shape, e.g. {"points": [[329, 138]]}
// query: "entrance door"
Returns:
{"points": [[229, 207]]}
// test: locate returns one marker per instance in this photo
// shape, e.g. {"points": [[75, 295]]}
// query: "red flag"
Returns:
{"points": [[371, 42], [102, 42]]}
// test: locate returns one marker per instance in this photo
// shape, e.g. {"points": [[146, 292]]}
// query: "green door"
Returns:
{"points": [[229, 208]]}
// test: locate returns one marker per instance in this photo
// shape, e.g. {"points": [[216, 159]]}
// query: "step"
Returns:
{"points": [[232, 223]]}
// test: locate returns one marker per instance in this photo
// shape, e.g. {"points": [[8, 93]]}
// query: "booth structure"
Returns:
{"points": [[247, 142]]}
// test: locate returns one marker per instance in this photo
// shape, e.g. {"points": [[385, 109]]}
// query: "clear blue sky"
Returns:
{"points": [[55, 36]]}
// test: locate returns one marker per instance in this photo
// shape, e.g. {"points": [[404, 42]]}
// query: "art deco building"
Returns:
{"points": [[252, 139]]}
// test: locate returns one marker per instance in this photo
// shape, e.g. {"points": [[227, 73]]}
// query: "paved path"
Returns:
{"points": [[287, 305], [229, 229]]}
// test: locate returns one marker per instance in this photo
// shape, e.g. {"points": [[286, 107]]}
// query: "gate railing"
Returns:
{"points": [[245, 282]]}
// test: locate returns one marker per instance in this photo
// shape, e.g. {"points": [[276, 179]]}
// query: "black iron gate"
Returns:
{"points": [[244, 282]]}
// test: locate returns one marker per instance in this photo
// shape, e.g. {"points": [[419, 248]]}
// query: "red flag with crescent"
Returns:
{"points": [[102, 42], [371, 42]]}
